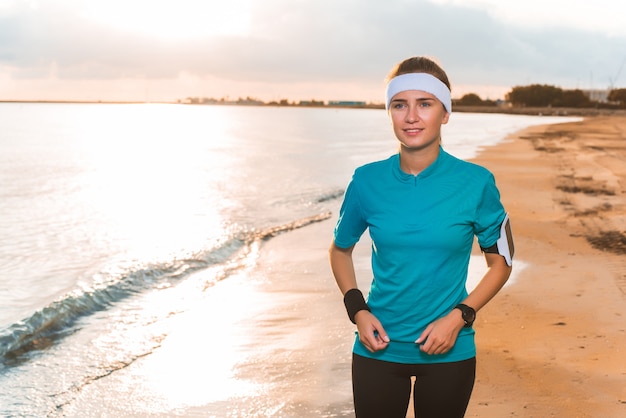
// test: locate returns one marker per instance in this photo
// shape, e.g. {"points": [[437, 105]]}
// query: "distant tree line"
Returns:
{"points": [[618, 96], [541, 95], [472, 99]]}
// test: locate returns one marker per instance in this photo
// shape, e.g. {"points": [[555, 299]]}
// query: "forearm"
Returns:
{"points": [[342, 267], [497, 274], [440, 336]]}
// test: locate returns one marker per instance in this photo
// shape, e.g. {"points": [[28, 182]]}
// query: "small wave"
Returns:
{"points": [[273, 231], [332, 195], [57, 320]]}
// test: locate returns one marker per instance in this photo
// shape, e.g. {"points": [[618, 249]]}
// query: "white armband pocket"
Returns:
{"points": [[505, 242], [504, 245]]}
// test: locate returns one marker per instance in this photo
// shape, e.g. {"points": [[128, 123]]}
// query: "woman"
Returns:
{"points": [[423, 208]]}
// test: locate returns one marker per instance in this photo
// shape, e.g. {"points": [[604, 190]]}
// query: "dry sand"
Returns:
{"points": [[554, 344]]}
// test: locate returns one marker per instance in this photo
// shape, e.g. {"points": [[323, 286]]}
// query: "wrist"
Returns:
{"points": [[354, 302], [457, 315], [468, 314]]}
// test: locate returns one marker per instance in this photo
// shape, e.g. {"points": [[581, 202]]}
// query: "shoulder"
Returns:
{"points": [[467, 168], [375, 168]]}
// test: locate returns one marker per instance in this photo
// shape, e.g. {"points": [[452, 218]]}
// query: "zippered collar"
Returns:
{"points": [[427, 172]]}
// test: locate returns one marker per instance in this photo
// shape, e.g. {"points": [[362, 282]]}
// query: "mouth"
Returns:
{"points": [[412, 131]]}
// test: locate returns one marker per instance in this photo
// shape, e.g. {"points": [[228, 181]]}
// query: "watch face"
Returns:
{"points": [[468, 314]]}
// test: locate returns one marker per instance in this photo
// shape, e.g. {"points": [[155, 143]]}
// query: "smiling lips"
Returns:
{"points": [[413, 131]]}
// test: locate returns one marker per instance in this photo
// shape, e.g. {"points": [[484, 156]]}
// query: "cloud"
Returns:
{"points": [[312, 41]]}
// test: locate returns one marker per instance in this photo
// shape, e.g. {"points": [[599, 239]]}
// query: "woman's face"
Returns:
{"points": [[416, 117]]}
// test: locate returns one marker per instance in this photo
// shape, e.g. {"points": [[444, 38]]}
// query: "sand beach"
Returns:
{"points": [[554, 343], [551, 344]]}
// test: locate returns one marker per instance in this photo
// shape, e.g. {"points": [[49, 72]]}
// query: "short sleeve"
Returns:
{"points": [[489, 215], [351, 223]]}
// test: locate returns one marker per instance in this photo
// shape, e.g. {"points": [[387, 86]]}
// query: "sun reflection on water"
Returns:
{"points": [[196, 362], [148, 176]]}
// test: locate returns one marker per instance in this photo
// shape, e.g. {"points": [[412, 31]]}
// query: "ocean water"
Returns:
{"points": [[107, 211]]}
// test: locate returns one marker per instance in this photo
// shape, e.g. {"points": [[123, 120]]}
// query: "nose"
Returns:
{"points": [[412, 114]]}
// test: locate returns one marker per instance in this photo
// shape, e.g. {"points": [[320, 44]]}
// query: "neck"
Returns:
{"points": [[414, 161]]}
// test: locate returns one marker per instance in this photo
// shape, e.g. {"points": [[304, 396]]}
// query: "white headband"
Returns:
{"points": [[422, 82]]}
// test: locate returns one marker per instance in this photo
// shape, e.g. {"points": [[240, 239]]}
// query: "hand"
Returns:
{"points": [[440, 336], [371, 332]]}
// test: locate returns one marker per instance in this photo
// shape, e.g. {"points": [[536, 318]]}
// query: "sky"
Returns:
{"points": [[168, 50]]}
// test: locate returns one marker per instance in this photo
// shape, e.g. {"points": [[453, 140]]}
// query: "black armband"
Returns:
{"points": [[355, 302]]}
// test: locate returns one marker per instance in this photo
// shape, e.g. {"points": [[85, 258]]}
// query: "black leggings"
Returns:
{"points": [[383, 389]]}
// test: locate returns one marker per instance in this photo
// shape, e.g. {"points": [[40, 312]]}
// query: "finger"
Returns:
{"points": [[380, 342], [428, 348], [367, 344], [432, 346], [382, 337], [374, 347], [370, 341], [424, 336], [442, 349], [375, 343]]}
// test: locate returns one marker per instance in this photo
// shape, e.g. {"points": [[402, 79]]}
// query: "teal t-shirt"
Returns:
{"points": [[422, 229]]}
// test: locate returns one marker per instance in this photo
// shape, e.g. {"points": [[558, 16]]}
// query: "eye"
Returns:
{"points": [[425, 104], [398, 105]]}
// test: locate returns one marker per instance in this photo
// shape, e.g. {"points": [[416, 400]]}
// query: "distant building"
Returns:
{"points": [[311, 103], [249, 101], [347, 103], [597, 95]]}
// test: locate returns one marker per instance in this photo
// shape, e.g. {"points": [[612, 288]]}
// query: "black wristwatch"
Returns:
{"points": [[468, 314]]}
